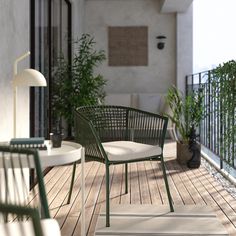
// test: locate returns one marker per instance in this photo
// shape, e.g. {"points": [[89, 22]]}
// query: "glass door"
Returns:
{"points": [[50, 37]]}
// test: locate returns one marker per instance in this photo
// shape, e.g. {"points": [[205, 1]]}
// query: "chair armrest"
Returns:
{"points": [[87, 136]]}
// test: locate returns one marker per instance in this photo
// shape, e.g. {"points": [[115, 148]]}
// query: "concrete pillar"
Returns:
{"points": [[184, 46]]}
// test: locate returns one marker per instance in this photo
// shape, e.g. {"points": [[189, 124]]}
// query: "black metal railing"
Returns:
{"points": [[217, 129]]}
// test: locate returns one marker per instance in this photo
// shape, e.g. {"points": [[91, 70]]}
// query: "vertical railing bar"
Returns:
{"points": [[200, 86], [217, 119]]}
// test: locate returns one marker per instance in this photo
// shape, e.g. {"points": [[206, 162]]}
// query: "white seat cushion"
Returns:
{"points": [[25, 228], [127, 150]]}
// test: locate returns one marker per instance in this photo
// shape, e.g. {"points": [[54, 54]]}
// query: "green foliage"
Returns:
{"points": [[187, 112], [223, 81], [76, 84]]}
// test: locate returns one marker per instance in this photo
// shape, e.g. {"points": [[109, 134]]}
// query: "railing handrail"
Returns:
{"points": [[197, 73]]}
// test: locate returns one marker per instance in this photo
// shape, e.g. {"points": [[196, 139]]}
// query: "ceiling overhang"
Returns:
{"points": [[170, 6]]}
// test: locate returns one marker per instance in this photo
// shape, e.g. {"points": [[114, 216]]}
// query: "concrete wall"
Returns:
{"points": [[184, 47], [14, 41], [77, 18], [161, 70], [166, 67]]}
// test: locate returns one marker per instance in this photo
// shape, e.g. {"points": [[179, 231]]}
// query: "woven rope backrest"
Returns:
{"points": [[15, 164], [110, 122], [145, 127]]}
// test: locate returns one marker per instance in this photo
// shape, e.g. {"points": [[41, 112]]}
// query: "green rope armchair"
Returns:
{"points": [[30, 227], [17, 202], [121, 135]]}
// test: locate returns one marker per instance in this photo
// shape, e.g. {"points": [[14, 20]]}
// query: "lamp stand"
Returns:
{"points": [[15, 91]]}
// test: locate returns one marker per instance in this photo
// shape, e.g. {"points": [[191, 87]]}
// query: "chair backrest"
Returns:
{"points": [[15, 164], [146, 127], [14, 212], [110, 122], [97, 124]]}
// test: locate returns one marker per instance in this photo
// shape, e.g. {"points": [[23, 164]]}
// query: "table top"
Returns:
{"points": [[69, 152]]}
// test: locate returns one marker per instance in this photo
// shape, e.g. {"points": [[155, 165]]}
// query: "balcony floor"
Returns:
{"points": [[146, 186]]}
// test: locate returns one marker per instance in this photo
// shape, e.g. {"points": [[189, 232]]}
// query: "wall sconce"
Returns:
{"points": [[161, 41]]}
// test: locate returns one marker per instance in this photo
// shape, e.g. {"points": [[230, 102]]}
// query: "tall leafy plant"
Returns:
{"points": [[77, 84], [187, 111], [223, 83]]}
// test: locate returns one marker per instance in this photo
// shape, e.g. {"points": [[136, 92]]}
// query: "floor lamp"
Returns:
{"points": [[26, 78]]}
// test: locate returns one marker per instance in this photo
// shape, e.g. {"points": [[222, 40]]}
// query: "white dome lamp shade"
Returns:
{"points": [[26, 78], [29, 78]]}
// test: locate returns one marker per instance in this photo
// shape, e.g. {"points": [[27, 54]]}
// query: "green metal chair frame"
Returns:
{"points": [[97, 124], [17, 160], [26, 144], [22, 212]]}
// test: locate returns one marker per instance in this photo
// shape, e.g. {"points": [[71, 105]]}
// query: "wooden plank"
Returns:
{"points": [[62, 212], [181, 188], [134, 190], [61, 186], [187, 186], [49, 183], [219, 188], [197, 181], [100, 202], [59, 203], [154, 190], [159, 177], [145, 192], [92, 196], [197, 199], [116, 186], [225, 207], [69, 220]]}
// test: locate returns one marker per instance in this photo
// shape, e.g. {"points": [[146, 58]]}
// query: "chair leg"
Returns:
{"points": [[167, 185], [72, 183], [107, 196], [126, 177]]}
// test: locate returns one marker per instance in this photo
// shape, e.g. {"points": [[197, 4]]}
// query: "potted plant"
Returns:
{"points": [[56, 136], [186, 115], [76, 84]]}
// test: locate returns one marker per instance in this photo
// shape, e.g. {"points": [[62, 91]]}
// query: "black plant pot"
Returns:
{"points": [[195, 149], [195, 161], [56, 140]]}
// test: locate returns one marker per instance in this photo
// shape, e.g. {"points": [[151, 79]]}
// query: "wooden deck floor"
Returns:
{"points": [[146, 186]]}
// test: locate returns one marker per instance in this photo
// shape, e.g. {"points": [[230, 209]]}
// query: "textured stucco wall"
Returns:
{"points": [[161, 70], [14, 41]]}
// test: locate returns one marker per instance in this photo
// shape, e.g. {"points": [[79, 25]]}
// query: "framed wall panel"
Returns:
{"points": [[128, 46]]}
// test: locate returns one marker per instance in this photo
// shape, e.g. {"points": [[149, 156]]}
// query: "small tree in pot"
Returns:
{"points": [[76, 84], [187, 113]]}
